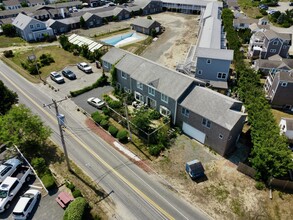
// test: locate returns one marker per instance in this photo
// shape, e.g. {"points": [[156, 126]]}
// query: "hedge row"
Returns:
{"points": [[102, 81], [103, 121], [270, 155]]}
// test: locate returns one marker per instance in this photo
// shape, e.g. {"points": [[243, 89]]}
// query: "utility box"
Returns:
{"points": [[194, 169]]}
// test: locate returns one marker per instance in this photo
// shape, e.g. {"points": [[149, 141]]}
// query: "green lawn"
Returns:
{"points": [[11, 41], [62, 58], [250, 8], [279, 114]]}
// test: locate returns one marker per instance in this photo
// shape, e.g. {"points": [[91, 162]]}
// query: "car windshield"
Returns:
{"points": [[57, 75], [28, 195], [85, 65], [3, 193]]}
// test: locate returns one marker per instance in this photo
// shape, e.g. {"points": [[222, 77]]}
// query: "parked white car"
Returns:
{"points": [[85, 67], [8, 168], [56, 77], [25, 204], [96, 102]]}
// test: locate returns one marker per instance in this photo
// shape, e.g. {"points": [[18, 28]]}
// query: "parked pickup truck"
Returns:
{"points": [[8, 168], [11, 185], [85, 67]]}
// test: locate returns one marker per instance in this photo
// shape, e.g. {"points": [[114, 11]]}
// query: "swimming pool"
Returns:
{"points": [[122, 39]]}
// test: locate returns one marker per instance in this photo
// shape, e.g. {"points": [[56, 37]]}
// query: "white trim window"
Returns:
{"points": [[164, 111], [164, 98], [284, 84], [206, 123], [31, 26], [105, 64], [152, 103], [199, 72], [276, 42], [138, 97], [123, 75], [185, 112], [209, 61], [151, 91], [139, 85], [222, 75], [38, 25]]}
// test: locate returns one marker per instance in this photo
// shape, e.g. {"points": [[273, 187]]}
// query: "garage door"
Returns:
{"points": [[193, 132]]}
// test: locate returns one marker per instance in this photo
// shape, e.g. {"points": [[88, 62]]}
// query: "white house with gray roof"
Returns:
{"points": [[181, 97], [31, 29], [211, 118]]}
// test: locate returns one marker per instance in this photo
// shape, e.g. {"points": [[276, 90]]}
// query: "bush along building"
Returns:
{"points": [[205, 115]]}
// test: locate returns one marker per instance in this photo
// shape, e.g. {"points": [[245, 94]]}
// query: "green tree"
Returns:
{"points": [[8, 98], [21, 127], [9, 30], [66, 45], [149, 17], [82, 22], [142, 119], [113, 74]]}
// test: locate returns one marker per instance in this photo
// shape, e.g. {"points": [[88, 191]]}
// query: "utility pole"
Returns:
{"points": [[127, 119], [55, 104]]}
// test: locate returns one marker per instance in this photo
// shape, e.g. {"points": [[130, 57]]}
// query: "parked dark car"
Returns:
{"points": [[263, 7], [291, 4], [68, 74]]}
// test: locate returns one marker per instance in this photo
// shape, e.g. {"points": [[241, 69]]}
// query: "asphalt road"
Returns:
{"points": [[136, 194]]}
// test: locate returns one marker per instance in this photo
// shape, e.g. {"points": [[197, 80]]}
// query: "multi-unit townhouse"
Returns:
{"points": [[31, 29], [181, 97], [279, 89], [209, 59], [266, 43], [12, 4]]}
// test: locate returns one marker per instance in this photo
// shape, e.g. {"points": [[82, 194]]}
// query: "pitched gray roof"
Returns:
{"points": [[155, 75], [289, 123], [285, 64], [285, 76], [214, 106], [71, 20], [143, 22], [11, 2], [21, 21], [211, 53], [114, 55]]}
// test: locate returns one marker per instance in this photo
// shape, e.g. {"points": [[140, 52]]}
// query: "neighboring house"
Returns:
{"points": [[266, 43], [42, 15], [243, 22], [71, 22], [57, 26], [209, 59], [12, 4], [186, 6], [92, 20], [286, 128], [145, 26], [149, 6], [208, 116], [279, 89], [212, 119], [232, 4], [36, 2], [273, 64], [31, 29]]}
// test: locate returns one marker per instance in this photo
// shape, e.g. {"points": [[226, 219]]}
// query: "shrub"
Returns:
{"points": [[76, 193], [76, 209], [113, 130], [104, 123], [46, 59], [106, 111], [115, 104], [97, 117], [8, 53], [155, 115], [260, 185], [48, 181], [39, 164], [70, 186], [155, 150], [122, 136]]}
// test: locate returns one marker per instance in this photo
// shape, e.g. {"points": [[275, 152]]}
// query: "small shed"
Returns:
{"points": [[194, 169], [145, 26]]}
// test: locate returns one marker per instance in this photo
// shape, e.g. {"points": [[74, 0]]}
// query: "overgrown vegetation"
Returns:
{"points": [[8, 98], [33, 65], [76, 209], [284, 19], [102, 81], [270, 155], [82, 50]]}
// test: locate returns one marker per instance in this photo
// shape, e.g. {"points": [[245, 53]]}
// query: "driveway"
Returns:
{"points": [[282, 7]]}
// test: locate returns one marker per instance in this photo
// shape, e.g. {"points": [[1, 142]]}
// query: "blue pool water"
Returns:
{"points": [[115, 40]]}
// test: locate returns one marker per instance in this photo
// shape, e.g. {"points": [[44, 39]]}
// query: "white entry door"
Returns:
{"points": [[193, 132]]}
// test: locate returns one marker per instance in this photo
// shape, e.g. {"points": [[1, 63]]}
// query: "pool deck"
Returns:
{"points": [[128, 40]]}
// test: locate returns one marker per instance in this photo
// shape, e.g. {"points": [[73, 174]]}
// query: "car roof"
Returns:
{"points": [[83, 63], [21, 204], [2, 167], [13, 161], [8, 182], [32, 191]]}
